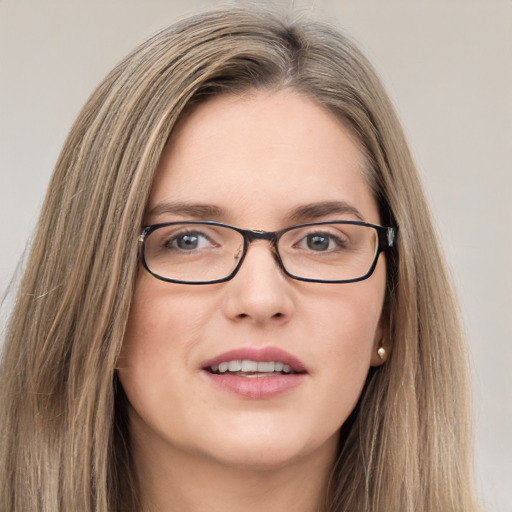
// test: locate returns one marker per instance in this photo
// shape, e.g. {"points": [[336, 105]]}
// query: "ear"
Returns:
{"points": [[381, 340]]}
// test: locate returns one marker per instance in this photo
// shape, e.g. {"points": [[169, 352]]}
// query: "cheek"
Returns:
{"points": [[346, 346], [345, 332], [347, 318], [158, 338], [163, 319]]}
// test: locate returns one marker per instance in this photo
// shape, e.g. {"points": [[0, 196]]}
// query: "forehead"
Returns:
{"points": [[260, 155]]}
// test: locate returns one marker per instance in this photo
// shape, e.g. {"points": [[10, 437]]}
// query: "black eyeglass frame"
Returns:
{"points": [[387, 239]]}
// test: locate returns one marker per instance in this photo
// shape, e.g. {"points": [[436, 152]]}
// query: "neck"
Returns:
{"points": [[171, 480]]}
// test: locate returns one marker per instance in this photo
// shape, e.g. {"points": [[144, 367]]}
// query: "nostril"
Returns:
{"points": [[276, 316]]}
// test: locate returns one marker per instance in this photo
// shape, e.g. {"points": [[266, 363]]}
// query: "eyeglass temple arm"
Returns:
{"points": [[387, 238]]}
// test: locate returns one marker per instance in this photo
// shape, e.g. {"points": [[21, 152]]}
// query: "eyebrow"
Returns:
{"points": [[305, 213], [315, 211], [199, 211]]}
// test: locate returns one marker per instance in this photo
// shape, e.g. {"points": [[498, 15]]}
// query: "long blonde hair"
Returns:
{"points": [[64, 438]]}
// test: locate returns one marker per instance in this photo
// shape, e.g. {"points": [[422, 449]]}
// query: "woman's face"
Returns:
{"points": [[253, 161]]}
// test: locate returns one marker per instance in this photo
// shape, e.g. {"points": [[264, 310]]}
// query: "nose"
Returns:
{"points": [[259, 293]]}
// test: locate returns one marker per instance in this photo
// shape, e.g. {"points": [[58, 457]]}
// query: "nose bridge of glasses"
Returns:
{"points": [[269, 236], [253, 235]]}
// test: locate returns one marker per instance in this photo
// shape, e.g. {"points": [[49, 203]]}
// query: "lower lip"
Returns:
{"points": [[259, 388]]}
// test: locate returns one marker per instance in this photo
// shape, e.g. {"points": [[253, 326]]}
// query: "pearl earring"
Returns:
{"points": [[382, 354]]}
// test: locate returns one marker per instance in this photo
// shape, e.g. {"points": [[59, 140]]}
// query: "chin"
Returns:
{"points": [[259, 460], [262, 452]]}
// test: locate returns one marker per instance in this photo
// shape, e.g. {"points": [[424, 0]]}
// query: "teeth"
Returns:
{"points": [[248, 366], [266, 366], [235, 366]]}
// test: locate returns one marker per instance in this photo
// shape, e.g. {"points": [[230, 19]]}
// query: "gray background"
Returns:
{"points": [[448, 68]]}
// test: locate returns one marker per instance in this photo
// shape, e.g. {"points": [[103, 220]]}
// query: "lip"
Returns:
{"points": [[258, 354], [258, 388]]}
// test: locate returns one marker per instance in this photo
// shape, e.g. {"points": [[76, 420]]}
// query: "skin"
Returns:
{"points": [[196, 447]]}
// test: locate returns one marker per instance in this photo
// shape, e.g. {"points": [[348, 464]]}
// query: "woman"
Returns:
{"points": [[176, 346]]}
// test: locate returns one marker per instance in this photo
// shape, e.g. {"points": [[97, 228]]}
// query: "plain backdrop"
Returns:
{"points": [[448, 68]]}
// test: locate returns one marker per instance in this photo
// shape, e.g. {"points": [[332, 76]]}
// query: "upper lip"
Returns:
{"points": [[257, 354]]}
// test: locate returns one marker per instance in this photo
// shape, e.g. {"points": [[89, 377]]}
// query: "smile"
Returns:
{"points": [[249, 368], [255, 373]]}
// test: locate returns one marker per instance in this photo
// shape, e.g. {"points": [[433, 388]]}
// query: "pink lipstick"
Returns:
{"points": [[256, 373]]}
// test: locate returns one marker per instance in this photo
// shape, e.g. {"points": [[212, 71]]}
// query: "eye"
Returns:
{"points": [[189, 241], [320, 242]]}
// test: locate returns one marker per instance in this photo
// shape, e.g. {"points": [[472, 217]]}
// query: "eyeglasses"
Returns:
{"points": [[207, 252]]}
